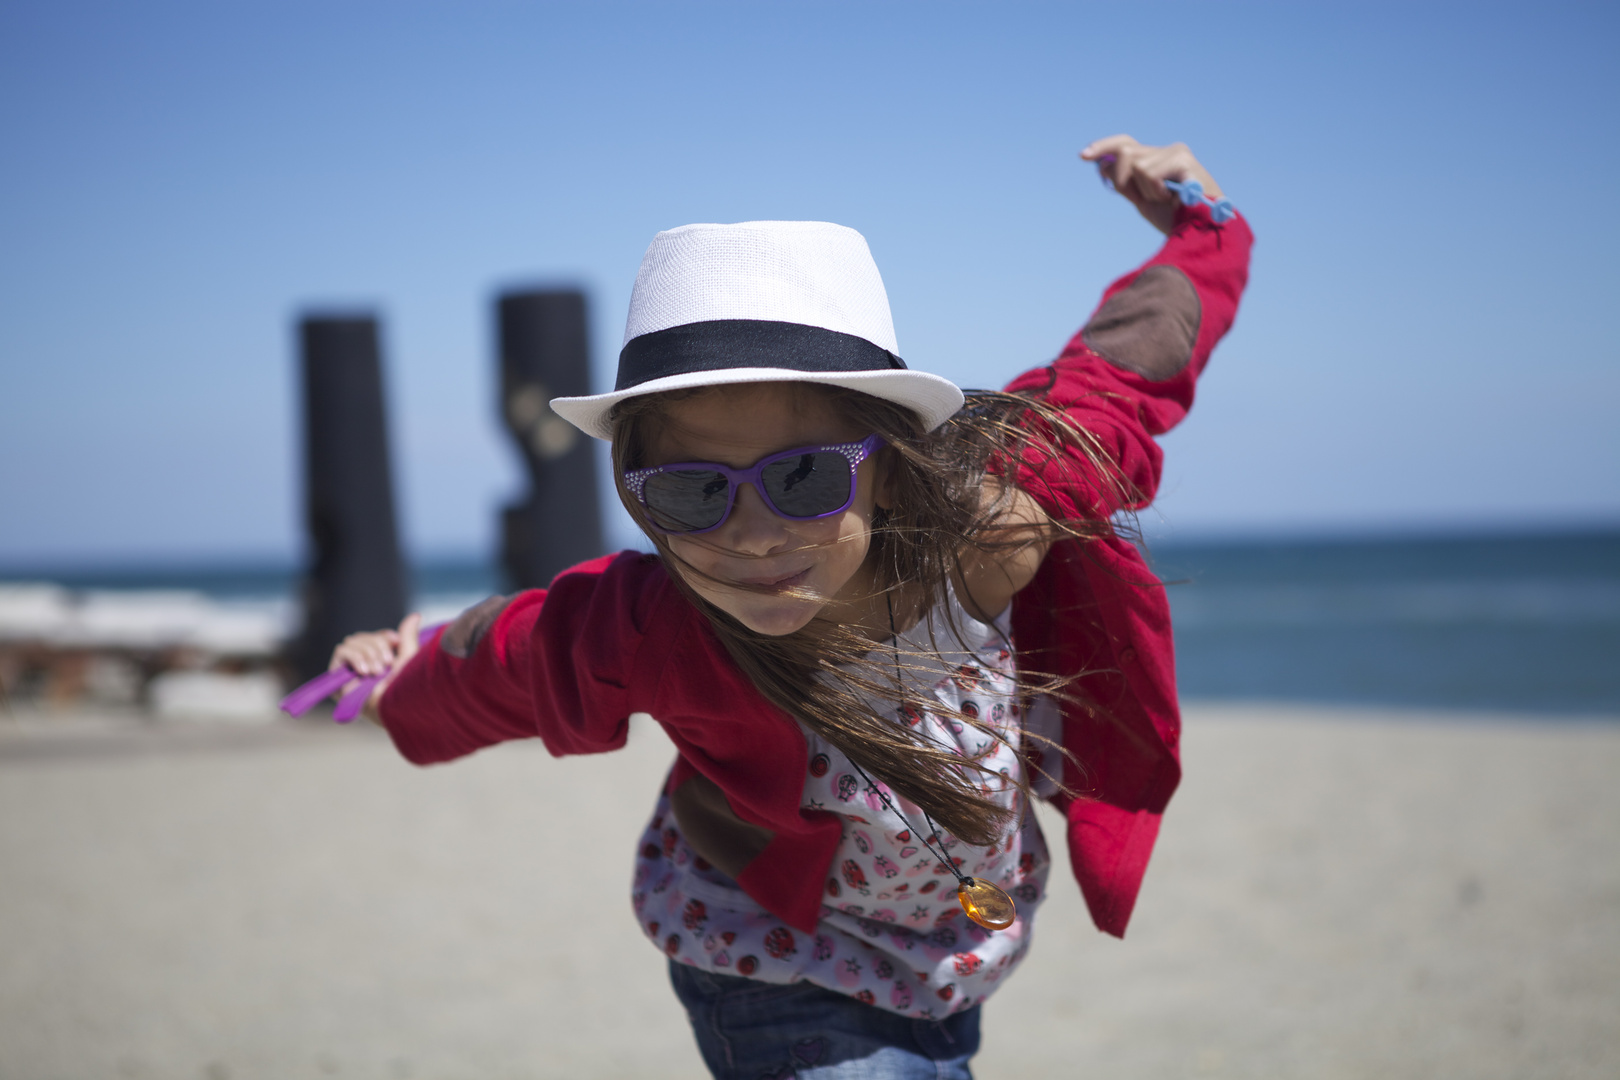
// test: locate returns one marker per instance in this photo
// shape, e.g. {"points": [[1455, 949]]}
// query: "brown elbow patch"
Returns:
{"points": [[1150, 327], [464, 633], [713, 829]]}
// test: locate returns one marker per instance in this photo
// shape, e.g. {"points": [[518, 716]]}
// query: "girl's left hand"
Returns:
{"points": [[1138, 172]]}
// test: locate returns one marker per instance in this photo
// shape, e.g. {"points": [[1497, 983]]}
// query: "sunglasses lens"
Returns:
{"points": [[686, 500], [808, 485]]}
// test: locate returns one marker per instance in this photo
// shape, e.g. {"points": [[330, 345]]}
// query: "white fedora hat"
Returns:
{"points": [[761, 301]]}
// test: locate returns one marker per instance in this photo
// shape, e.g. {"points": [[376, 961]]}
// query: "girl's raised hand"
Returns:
{"points": [[1138, 172], [374, 652]]}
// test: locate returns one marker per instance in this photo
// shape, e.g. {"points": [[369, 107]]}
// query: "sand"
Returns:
{"points": [[1335, 894]]}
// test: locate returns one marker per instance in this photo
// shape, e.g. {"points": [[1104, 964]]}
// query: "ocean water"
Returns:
{"points": [[1516, 624], [1513, 624]]}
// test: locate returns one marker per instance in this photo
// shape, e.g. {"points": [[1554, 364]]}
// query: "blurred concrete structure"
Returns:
{"points": [[544, 353], [356, 577]]}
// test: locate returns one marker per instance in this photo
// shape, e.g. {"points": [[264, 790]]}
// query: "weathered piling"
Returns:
{"points": [[544, 354], [356, 577]]}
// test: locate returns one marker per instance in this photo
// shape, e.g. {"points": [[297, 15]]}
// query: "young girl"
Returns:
{"points": [[881, 617]]}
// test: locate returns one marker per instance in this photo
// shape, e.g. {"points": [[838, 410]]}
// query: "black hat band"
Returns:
{"points": [[722, 344]]}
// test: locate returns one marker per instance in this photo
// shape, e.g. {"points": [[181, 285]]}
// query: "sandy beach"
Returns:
{"points": [[1336, 893]]}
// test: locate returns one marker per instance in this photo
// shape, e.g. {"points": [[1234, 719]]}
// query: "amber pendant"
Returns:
{"points": [[985, 904]]}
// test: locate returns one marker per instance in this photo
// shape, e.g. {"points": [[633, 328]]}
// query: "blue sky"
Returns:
{"points": [[1424, 343]]}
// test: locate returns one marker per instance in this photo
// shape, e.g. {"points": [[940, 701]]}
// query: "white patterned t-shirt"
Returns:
{"points": [[892, 932]]}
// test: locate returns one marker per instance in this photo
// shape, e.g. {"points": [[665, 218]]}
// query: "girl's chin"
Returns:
{"points": [[776, 618]]}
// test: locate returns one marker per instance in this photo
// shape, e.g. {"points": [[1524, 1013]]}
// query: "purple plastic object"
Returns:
{"points": [[306, 697], [349, 706], [321, 687]]}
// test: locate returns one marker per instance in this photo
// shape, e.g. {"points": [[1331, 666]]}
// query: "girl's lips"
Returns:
{"points": [[791, 581]]}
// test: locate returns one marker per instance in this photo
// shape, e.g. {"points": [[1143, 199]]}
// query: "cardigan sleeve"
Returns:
{"points": [[1130, 372], [549, 663], [1095, 611]]}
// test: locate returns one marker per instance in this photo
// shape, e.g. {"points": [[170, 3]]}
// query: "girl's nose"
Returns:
{"points": [[753, 527]]}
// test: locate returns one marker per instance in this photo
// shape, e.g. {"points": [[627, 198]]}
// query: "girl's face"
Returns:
{"points": [[736, 426]]}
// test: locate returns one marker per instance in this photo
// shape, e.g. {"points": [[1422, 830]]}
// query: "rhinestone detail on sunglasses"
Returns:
{"points": [[854, 453]]}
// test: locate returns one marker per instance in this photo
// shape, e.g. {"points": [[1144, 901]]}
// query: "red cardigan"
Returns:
{"points": [[612, 637]]}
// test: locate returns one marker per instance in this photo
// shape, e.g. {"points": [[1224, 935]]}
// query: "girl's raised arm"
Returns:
{"points": [[1138, 173], [1130, 374]]}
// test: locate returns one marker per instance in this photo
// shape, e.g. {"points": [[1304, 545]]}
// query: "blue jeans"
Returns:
{"points": [[752, 1030]]}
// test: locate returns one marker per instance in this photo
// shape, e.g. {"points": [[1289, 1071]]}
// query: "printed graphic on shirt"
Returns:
{"points": [[892, 933]]}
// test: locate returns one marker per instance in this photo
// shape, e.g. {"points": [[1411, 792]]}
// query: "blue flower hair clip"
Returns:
{"points": [[1191, 193]]}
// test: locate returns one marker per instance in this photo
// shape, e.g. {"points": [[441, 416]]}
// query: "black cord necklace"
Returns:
{"points": [[983, 902]]}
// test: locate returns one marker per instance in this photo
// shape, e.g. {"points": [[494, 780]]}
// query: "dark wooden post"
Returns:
{"points": [[544, 354], [356, 577]]}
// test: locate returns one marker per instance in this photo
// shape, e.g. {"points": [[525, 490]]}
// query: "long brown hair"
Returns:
{"points": [[949, 493]]}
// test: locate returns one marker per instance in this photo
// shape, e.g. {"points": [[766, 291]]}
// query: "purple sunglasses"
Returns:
{"points": [[802, 484]]}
